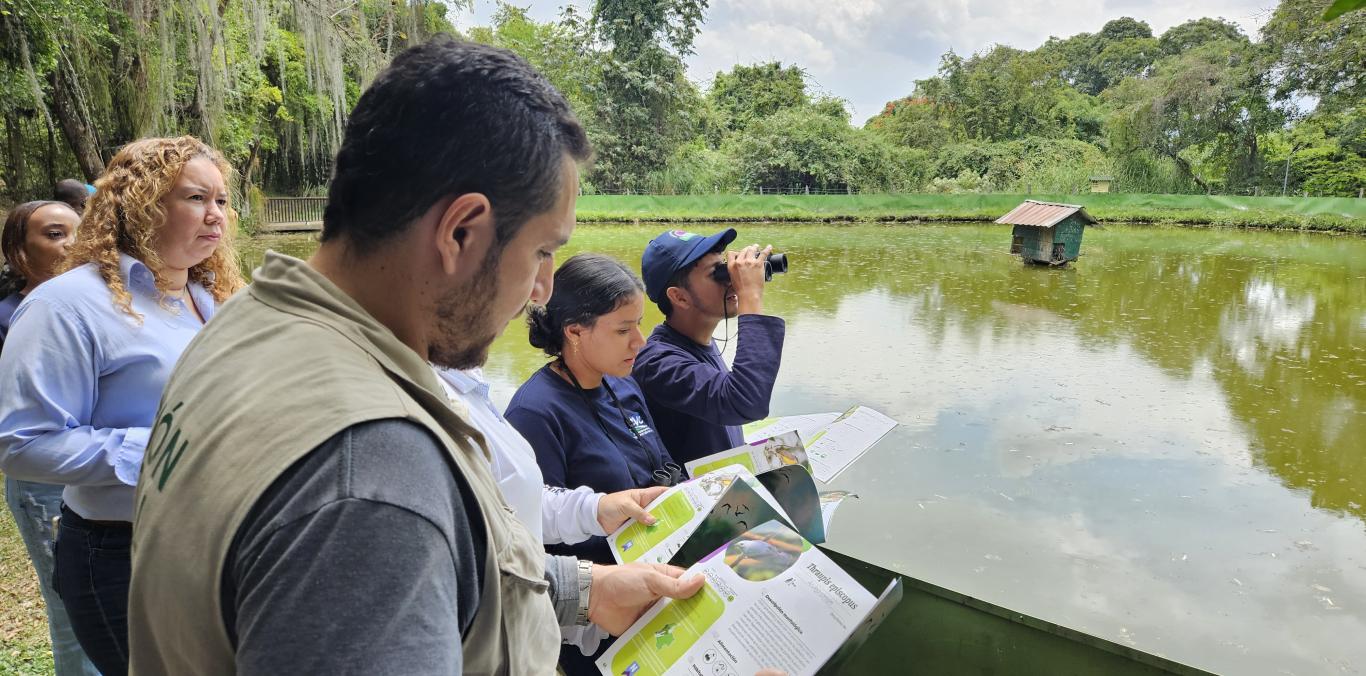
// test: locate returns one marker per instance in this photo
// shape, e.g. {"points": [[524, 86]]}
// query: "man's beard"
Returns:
{"points": [[464, 327]]}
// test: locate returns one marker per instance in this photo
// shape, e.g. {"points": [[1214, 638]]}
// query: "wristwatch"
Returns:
{"points": [[585, 590]]}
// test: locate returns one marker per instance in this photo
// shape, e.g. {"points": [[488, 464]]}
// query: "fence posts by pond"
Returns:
{"points": [[294, 214]]}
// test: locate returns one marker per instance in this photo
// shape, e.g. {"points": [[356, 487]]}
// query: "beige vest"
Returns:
{"points": [[284, 366]]}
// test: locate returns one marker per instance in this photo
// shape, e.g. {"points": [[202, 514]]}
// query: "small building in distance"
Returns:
{"points": [[1101, 183], [1047, 232]]}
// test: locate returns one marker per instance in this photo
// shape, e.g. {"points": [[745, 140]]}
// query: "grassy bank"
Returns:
{"points": [[1339, 214]]}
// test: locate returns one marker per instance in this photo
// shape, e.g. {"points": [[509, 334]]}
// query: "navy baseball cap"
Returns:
{"points": [[672, 251]]}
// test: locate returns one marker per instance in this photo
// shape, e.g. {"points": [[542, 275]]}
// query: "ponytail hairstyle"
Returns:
{"points": [[587, 286]]}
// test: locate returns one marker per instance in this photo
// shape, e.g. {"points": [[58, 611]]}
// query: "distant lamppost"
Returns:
{"points": [[1285, 181]]}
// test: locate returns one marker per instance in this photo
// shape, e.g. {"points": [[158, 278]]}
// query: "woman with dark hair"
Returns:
{"points": [[90, 352], [34, 243], [583, 415]]}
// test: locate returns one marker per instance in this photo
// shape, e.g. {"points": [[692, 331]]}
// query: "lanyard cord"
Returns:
{"points": [[725, 342], [654, 457]]}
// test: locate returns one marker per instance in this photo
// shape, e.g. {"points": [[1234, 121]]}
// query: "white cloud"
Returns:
{"points": [[760, 41]]}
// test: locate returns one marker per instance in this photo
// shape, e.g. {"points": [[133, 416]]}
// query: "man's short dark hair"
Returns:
{"points": [[72, 192], [448, 118]]}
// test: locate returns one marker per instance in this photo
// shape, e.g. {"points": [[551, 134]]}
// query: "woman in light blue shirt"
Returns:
{"points": [[89, 352], [34, 242]]}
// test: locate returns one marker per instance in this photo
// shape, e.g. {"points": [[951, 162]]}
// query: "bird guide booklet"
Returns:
{"points": [[771, 600], [758, 456], [697, 516], [833, 441]]}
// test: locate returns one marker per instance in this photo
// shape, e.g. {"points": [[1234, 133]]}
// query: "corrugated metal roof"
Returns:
{"points": [[1043, 214]]}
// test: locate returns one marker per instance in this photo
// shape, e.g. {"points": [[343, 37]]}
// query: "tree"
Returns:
{"points": [[1091, 63], [1001, 94], [1209, 99], [1324, 154], [748, 93], [270, 83], [1196, 32], [646, 105], [1317, 58], [807, 148], [1124, 28]]}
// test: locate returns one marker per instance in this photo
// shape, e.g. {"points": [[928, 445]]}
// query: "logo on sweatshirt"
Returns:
{"points": [[638, 426]]}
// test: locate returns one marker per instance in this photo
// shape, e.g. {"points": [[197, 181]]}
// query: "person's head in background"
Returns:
{"points": [[35, 241], [73, 192], [453, 188], [592, 320], [164, 202]]}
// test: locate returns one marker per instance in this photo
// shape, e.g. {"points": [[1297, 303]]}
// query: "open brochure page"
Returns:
{"points": [[738, 510], [839, 445], [678, 513], [758, 456], [795, 490], [805, 425], [771, 600], [830, 501]]}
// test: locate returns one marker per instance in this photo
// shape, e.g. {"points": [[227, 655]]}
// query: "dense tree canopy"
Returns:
{"points": [[1199, 107]]}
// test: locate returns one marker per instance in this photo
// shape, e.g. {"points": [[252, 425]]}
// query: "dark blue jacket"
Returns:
{"points": [[697, 403], [573, 449]]}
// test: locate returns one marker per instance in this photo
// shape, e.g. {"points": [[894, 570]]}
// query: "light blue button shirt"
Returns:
{"points": [[82, 382]]}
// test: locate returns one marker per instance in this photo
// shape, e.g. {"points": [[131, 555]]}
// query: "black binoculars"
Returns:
{"points": [[775, 264], [668, 475]]}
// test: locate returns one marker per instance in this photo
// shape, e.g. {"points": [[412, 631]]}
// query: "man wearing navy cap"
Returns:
{"points": [[697, 403]]}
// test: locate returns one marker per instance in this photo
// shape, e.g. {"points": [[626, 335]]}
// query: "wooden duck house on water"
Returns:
{"points": [[1047, 232]]}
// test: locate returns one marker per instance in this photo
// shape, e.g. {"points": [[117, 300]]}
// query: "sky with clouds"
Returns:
{"points": [[868, 52]]}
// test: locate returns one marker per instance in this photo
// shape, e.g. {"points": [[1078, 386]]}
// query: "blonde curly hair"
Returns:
{"points": [[125, 214]]}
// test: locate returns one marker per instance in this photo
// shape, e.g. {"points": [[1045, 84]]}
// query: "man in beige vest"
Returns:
{"points": [[310, 502]]}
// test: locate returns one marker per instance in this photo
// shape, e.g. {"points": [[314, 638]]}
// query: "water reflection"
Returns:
{"points": [[1160, 445]]}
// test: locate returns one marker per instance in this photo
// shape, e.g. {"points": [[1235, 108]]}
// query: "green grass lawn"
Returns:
{"points": [[24, 646], [1341, 214]]}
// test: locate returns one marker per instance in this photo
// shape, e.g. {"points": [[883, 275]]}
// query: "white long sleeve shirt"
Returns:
{"points": [[555, 515]]}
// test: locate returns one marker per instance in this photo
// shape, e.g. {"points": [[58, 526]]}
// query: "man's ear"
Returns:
{"points": [[464, 233], [678, 297]]}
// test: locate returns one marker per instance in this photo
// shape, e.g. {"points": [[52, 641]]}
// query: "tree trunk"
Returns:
{"points": [[14, 144], [247, 170], [51, 159], [78, 130], [129, 88], [1190, 171]]}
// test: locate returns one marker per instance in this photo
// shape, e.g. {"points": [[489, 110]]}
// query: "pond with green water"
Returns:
{"points": [[1163, 445]]}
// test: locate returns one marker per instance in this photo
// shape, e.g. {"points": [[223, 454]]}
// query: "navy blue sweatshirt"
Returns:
{"points": [[572, 447], [697, 404]]}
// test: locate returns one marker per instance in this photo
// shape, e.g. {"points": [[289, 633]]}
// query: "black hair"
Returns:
{"points": [[450, 117], [71, 191], [680, 279], [587, 286]]}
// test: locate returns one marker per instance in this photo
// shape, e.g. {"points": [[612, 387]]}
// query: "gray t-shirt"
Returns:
{"points": [[361, 559]]}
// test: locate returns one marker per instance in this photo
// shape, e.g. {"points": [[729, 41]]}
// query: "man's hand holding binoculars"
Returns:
{"points": [[746, 268]]}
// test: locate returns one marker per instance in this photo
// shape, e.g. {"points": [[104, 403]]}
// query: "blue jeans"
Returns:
{"points": [[93, 568], [33, 506]]}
